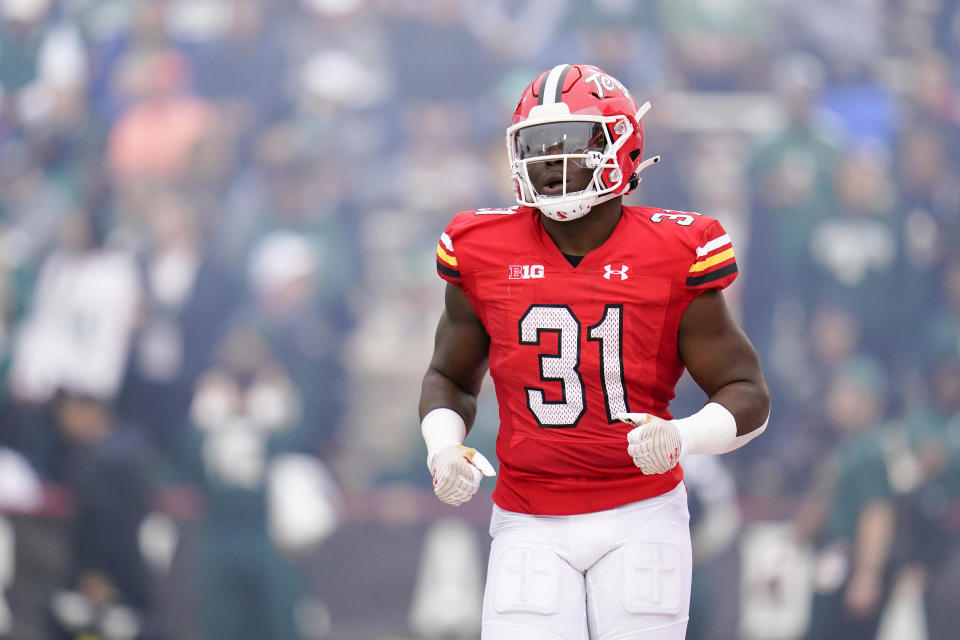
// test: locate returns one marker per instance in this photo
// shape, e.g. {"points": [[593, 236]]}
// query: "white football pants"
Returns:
{"points": [[619, 574]]}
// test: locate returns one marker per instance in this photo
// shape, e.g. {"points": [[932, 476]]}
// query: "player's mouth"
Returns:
{"points": [[552, 186]]}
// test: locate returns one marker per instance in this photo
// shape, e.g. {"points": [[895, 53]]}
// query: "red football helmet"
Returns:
{"points": [[576, 113]]}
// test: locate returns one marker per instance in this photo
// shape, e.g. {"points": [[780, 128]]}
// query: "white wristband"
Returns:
{"points": [[712, 430], [441, 428]]}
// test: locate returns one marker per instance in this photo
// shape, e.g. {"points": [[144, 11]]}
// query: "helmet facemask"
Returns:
{"points": [[557, 149]]}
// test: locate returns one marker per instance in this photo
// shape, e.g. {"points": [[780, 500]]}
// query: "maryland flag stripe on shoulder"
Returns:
{"points": [[715, 260], [446, 260]]}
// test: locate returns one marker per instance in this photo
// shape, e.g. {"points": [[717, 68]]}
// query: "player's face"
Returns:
{"points": [[552, 142]]}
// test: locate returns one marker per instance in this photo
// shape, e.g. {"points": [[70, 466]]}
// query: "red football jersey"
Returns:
{"points": [[571, 347]]}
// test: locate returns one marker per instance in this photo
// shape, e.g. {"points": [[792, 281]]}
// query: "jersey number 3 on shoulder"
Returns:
{"points": [[682, 218], [565, 365]]}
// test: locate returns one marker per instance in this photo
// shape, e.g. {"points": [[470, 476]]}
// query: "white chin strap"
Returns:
{"points": [[567, 209]]}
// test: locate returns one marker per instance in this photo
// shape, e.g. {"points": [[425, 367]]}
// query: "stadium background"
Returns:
{"points": [[217, 228]]}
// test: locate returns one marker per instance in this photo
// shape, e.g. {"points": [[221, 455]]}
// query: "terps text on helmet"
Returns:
{"points": [[603, 81]]}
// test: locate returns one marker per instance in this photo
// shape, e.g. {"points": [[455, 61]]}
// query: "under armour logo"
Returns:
{"points": [[622, 271]]}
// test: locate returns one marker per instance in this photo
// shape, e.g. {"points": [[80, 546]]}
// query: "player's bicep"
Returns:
{"points": [[461, 345], [721, 359]]}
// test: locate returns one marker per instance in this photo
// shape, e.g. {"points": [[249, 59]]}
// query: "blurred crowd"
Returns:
{"points": [[217, 226]]}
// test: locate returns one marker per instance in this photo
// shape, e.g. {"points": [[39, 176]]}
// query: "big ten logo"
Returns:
{"points": [[525, 271]]}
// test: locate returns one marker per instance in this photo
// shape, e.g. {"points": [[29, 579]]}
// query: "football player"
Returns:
{"points": [[586, 312]]}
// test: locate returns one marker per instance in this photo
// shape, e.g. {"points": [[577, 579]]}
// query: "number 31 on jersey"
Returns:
{"points": [[564, 366]]}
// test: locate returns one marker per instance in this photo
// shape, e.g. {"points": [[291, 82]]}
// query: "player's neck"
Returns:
{"points": [[581, 236]]}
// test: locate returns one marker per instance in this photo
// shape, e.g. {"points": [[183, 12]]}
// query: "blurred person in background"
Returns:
{"points": [[806, 363], [928, 209], [106, 592], [790, 173], [855, 254], [153, 137], [832, 337], [246, 414], [186, 304], [584, 543], [930, 517], [152, 141], [288, 287], [848, 513], [931, 520], [291, 188], [77, 330]]}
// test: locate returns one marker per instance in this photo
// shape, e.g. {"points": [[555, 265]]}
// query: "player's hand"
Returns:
{"points": [[655, 444], [457, 471]]}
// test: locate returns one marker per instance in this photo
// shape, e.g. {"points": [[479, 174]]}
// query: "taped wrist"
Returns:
{"points": [[712, 431], [442, 428]]}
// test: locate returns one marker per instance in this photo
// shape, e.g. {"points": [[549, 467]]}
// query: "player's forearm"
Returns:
{"points": [[729, 421], [748, 401], [439, 391]]}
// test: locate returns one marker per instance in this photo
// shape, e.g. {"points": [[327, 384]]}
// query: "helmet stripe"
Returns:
{"points": [[552, 87]]}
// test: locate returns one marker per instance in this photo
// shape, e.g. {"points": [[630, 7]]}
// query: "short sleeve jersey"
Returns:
{"points": [[573, 346]]}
